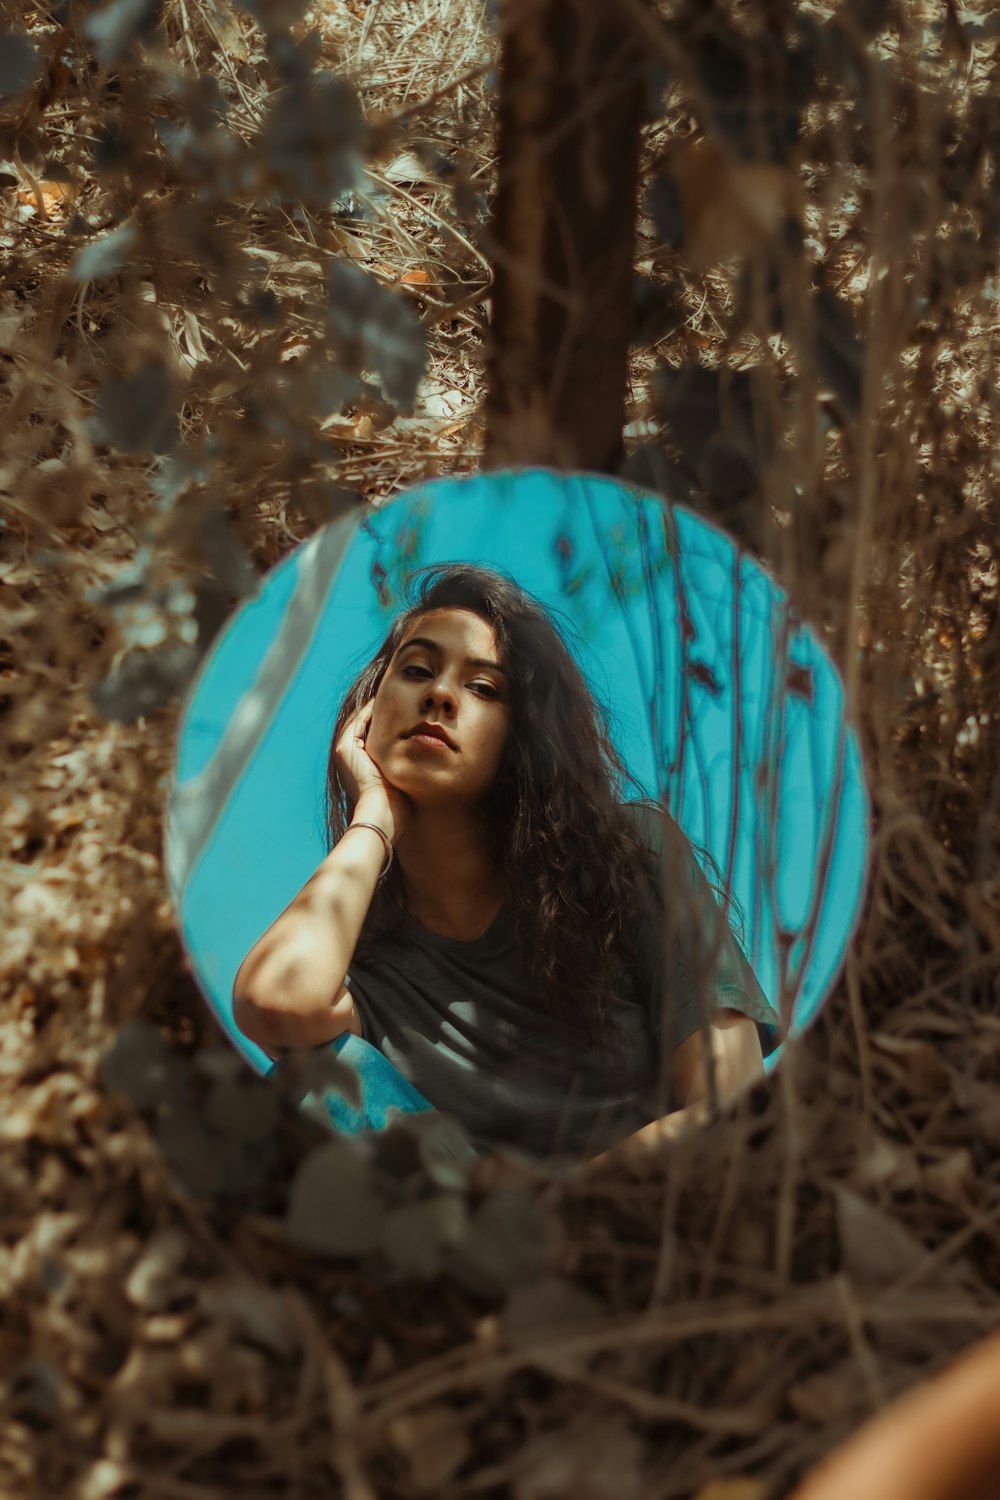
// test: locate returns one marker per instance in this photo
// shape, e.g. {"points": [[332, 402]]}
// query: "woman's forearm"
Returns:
{"points": [[738, 1064], [277, 1031], [292, 977], [643, 1141]]}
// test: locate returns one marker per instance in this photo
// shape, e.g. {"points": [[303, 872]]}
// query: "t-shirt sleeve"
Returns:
{"points": [[688, 958]]}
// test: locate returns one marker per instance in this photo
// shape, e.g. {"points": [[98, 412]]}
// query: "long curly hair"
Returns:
{"points": [[554, 819]]}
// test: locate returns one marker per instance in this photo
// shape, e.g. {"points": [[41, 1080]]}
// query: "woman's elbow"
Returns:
{"points": [[251, 1019], [271, 988], [240, 994], [259, 1006], [737, 1060]]}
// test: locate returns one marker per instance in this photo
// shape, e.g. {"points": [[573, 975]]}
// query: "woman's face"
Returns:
{"points": [[446, 673]]}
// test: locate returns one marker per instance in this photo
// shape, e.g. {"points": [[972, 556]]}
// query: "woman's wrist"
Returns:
{"points": [[385, 843], [374, 808]]}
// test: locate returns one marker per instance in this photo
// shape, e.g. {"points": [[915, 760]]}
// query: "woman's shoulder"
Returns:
{"points": [[646, 818], [654, 826], [674, 860]]}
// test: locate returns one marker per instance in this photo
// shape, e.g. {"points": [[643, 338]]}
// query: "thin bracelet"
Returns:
{"points": [[385, 839]]}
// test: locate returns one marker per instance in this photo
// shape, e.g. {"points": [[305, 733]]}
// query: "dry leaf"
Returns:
{"points": [[728, 207], [885, 1161], [827, 1395], [98, 519], [874, 1248], [951, 1178], [254, 1311], [441, 402], [550, 1302], [916, 1062], [734, 1489], [338, 238], [103, 1479], [193, 337], [981, 1101], [381, 1360], [434, 1442], [155, 1280], [227, 32], [416, 278], [406, 167], [595, 1456], [53, 195], [46, 1111]]}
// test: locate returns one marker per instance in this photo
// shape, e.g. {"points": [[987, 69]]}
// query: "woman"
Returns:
{"points": [[491, 914]]}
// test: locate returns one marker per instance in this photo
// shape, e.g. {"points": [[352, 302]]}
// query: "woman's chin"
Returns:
{"points": [[405, 777], [426, 779], [425, 791]]}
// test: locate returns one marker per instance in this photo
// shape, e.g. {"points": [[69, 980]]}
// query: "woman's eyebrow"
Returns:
{"points": [[435, 646]]}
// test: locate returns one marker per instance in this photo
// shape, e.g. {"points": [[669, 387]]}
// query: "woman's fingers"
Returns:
{"points": [[361, 772], [361, 723], [351, 751]]}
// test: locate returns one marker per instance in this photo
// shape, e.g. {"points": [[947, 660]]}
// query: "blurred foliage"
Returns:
{"points": [[196, 259], [397, 1198], [803, 134]]}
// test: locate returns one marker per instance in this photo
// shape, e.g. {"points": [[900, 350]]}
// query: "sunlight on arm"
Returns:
{"points": [[739, 1063]]}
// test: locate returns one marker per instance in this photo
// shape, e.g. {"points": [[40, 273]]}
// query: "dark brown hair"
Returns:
{"points": [[554, 818]]}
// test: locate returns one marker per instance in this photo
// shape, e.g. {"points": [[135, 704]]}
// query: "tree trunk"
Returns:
{"points": [[572, 101]]}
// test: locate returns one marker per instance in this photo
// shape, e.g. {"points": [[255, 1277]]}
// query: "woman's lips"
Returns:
{"points": [[429, 732], [432, 741]]}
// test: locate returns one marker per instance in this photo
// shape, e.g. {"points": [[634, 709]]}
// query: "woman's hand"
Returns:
{"points": [[642, 1148], [375, 799], [738, 1065]]}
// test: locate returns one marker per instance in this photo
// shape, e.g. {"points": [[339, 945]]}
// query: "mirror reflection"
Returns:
{"points": [[525, 798]]}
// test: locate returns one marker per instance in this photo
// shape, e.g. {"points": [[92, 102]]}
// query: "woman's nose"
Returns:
{"points": [[438, 693]]}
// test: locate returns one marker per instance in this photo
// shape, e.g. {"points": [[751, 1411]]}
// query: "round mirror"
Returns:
{"points": [[726, 713]]}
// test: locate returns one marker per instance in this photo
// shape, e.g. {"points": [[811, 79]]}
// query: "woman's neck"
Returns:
{"points": [[451, 883]]}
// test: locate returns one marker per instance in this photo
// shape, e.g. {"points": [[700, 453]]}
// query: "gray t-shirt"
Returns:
{"points": [[464, 1022]]}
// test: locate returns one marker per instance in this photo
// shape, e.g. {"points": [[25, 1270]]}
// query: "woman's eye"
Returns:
{"points": [[484, 689]]}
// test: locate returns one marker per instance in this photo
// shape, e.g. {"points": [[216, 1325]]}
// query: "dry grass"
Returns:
{"points": [[727, 1317]]}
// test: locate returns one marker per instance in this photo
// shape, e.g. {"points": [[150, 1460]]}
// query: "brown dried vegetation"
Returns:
{"points": [[710, 1326]]}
